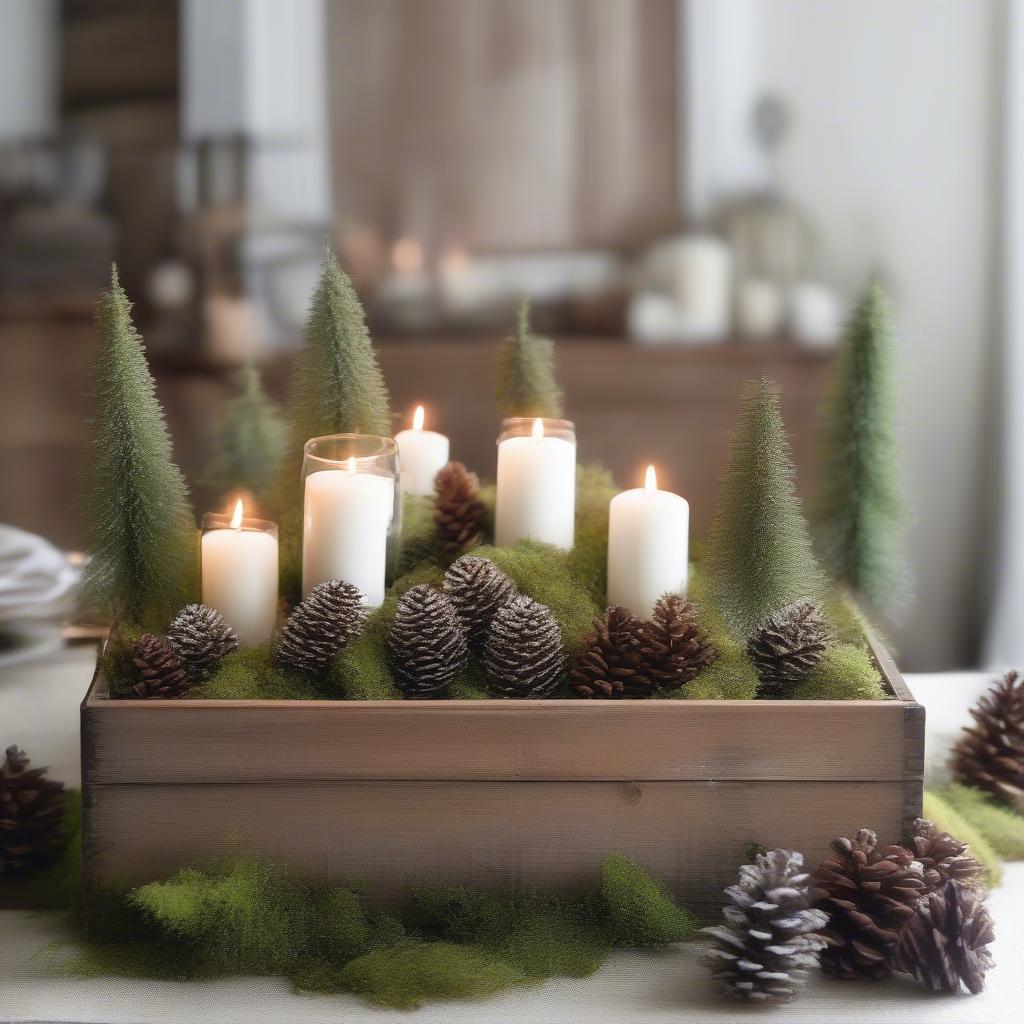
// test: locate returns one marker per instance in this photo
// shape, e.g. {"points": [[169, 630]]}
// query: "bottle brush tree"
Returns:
{"points": [[525, 380], [860, 512], [143, 535], [759, 556], [336, 385], [250, 438]]}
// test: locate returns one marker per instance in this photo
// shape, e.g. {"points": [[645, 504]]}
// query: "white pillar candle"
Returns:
{"points": [[240, 572], [648, 546], [536, 490], [345, 521], [421, 454]]}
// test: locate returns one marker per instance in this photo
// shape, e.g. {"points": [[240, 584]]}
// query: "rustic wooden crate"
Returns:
{"points": [[391, 794]]}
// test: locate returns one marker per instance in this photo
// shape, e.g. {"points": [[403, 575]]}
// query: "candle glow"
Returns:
{"points": [[421, 455], [538, 429], [417, 418], [236, 518], [650, 480]]}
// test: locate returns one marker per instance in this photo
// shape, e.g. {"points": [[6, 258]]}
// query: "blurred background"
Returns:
{"points": [[691, 191]]}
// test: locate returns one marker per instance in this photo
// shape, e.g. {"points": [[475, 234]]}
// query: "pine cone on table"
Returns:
{"points": [[675, 648], [990, 753], [869, 895], [458, 510], [200, 637], [945, 943], [614, 665], [321, 626], [157, 672], [478, 588], [769, 939], [427, 643], [787, 646], [943, 857], [523, 654], [31, 815]]}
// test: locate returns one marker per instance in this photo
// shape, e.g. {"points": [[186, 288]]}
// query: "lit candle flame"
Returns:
{"points": [[538, 429], [650, 480], [351, 464], [236, 518], [417, 418]]}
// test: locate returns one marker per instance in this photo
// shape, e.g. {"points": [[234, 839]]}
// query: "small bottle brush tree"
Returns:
{"points": [[860, 511], [250, 438], [760, 557], [143, 535], [525, 380], [336, 385]]}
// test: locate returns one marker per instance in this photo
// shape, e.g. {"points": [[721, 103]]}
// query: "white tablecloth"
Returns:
{"points": [[39, 710]]}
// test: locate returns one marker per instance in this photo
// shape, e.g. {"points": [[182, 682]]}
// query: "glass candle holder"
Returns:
{"points": [[536, 490], [351, 512], [240, 572]]}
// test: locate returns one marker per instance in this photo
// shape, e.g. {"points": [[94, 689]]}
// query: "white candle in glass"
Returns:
{"points": [[536, 488], [421, 454], [240, 572], [345, 520], [648, 546]]}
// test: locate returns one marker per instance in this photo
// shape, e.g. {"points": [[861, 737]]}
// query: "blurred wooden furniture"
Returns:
{"points": [[673, 407]]}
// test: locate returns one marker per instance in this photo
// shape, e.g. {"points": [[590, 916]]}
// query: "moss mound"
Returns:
{"points": [[588, 560], [730, 676], [637, 910], [252, 674], [846, 672], [1002, 827]]}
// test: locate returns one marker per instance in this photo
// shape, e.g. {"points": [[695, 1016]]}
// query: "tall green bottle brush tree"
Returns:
{"points": [[525, 377], [759, 554], [860, 513], [143, 534]]}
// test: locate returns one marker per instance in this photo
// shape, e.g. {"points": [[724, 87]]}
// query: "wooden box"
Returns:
{"points": [[391, 794]]}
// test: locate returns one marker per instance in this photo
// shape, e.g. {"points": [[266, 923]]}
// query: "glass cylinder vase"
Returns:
{"points": [[351, 512], [536, 482]]}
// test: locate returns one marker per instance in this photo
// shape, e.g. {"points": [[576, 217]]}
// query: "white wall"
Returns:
{"points": [[892, 153]]}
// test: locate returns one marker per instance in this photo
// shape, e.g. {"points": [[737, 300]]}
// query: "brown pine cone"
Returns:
{"points": [[200, 636], [157, 672], [942, 856], [427, 643], [945, 943], [787, 646], [458, 510], [31, 815], [524, 656], [675, 648], [869, 895], [478, 588], [327, 621], [614, 665], [990, 753]]}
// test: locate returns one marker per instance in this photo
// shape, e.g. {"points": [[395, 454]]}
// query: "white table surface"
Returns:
{"points": [[39, 711]]}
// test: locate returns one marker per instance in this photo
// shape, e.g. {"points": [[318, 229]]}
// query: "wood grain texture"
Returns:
{"points": [[550, 836]]}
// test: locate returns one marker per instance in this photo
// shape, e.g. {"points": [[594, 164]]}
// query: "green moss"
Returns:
{"points": [[116, 659], [471, 684], [588, 560], [290, 552], [362, 671], [938, 810], [419, 541], [638, 911], [846, 672], [411, 974], [542, 572], [252, 674], [1000, 825], [730, 676]]}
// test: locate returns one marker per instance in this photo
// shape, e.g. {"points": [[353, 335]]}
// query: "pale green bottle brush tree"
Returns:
{"points": [[525, 376]]}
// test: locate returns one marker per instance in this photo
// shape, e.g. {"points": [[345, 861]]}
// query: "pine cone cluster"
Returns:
{"points": [[614, 665], [787, 646], [769, 939], [869, 895], [945, 942], [458, 510], [31, 815], [478, 588], [200, 637], [675, 648], [427, 643], [523, 654], [990, 753], [157, 672], [326, 622], [943, 857]]}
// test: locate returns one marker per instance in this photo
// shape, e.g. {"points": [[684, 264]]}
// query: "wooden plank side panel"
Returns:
{"points": [[548, 836], [225, 741]]}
